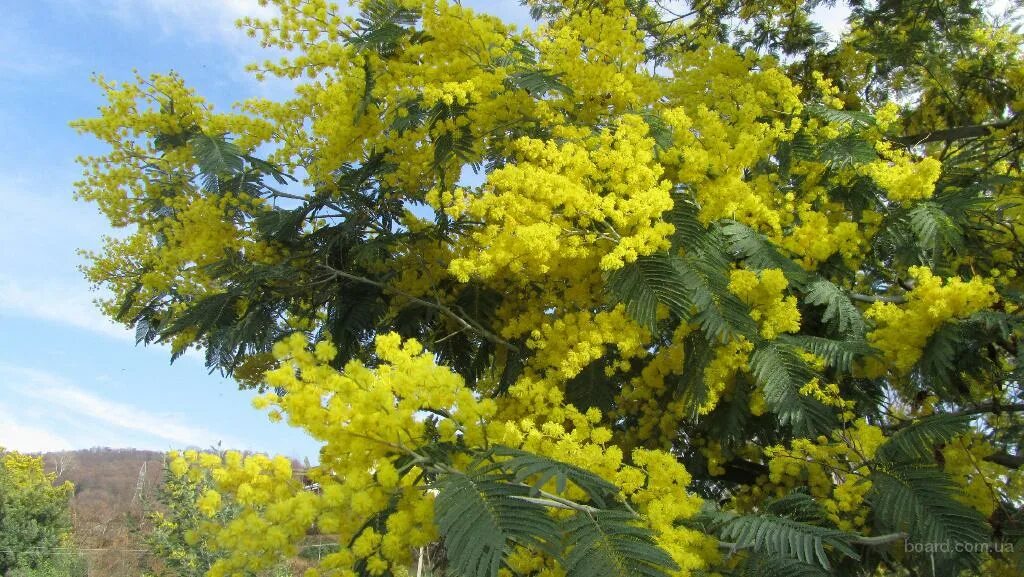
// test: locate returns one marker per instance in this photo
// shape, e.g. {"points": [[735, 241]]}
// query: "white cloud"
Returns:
{"points": [[99, 417], [28, 438], [64, 304], [832, 19], [206, 20]]}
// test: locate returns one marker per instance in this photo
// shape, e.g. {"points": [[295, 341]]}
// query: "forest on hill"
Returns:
{"points": [[113, 491]]}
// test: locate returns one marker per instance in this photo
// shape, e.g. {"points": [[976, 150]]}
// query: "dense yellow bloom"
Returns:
{"points": [[368, 419], [764, 293], [903, 330], [599, 200], [834, 468], [903, 178]]}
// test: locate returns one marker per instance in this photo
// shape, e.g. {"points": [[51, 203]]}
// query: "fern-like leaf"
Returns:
{"points": [[839, 354], [918, 441], [609, 544], [782, 373], [846, 151], [523, 466], [480, 518], [935, 230], [774, 566], [920, 502], [760, 253], [937, 364], [383, 24], [650, 280], [215, 156], [783, 537], [854, 119], [840, 312], [538, 82]]}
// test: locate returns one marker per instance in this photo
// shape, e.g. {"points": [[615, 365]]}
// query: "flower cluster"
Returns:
{"points": [[598, 200], [903, 330], [774, 312], [369, 420], [833, 468]]}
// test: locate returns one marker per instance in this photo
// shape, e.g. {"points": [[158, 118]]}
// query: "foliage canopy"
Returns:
{"points": [[34, 519], [644, 289]]}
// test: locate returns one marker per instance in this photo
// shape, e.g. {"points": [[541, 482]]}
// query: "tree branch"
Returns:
{"points": [[956, 133], [878, 298], [465, 322], [1007, 460]]}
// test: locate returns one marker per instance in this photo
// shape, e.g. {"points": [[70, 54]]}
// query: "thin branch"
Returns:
{"points": [[879, 539], [956, 133], [1007, 460], [466, 322], [878, 298]]}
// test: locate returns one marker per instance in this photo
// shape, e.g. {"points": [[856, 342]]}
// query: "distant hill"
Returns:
{"points": [[113, 490]]}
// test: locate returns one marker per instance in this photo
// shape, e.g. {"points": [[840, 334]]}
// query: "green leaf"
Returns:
{"points": [[760, 253], [215, 157], [651, 280], [783, 537], [854, 119], [660, 131], [217, 310], [935, 230], [609, 544], [480, 518], [593, 387], [773, 566], [839, 354], [938, 363], [523, 465], [538, 82], [693, 389], [383, 24], [840, 312], [920, 500], [720, 313], [782, 373], [918, 441], [846, 151], [799, 505]]}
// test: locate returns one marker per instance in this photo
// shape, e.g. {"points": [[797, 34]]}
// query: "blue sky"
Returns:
{"points": [[68, 377]]}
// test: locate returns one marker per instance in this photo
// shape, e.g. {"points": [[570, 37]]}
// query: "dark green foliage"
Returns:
{"points": [[760, 253], [839, 354], [523, 465], [537, 82], [783, 537], [593, 387], [920, 501], [384, 23], [480, 517], [840, 312], [935, 230], [607, 543], [35, 520], [499, 503], [651, 280], [781, 373], [854, 119], [215, 157], [917, 442]]}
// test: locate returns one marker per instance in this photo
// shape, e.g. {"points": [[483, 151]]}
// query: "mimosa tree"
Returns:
{"points": [[644, 289]]}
